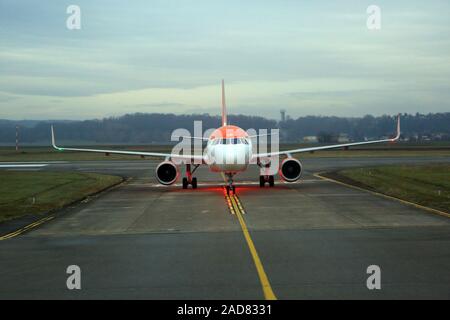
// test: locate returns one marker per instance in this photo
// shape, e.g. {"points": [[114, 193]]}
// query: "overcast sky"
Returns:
{"points": [[308, 57]]}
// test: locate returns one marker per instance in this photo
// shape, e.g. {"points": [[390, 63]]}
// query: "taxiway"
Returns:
{"points": [[314, 239]]}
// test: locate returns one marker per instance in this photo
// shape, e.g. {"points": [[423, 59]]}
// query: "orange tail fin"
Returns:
{"points": [[224, 106]]}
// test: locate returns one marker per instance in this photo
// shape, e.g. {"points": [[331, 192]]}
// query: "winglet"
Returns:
{"points": [[398, 129], [53, 140]]}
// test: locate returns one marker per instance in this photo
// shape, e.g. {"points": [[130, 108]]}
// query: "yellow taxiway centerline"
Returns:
{"points": [[26, 228], [435, 211], [236, 208]]}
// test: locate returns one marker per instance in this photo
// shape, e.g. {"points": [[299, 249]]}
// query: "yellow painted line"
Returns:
{"points": [[239, 204], [230, 206], [267, 289], [26, 228], [236, 208], [234, 204], [435, 211]]}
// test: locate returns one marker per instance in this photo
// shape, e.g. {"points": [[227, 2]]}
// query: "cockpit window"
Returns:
{"points": [[230, 141]]}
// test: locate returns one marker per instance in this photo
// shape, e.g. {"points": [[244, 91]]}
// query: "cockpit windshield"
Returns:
{"points": [[230, 141]]}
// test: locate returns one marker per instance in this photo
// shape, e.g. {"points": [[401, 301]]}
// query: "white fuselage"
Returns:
{"points": [[229, 155]]}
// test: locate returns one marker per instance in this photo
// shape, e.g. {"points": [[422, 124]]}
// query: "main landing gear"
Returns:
{"points": [[264, 173], [193, 182], [268, 178], [189, 179]]}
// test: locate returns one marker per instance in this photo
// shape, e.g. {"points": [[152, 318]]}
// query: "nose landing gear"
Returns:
{"points": [[231, 189], [230, 186]]}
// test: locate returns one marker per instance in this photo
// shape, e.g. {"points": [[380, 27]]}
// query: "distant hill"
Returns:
{"points": [[22, 123], [156, 128]]}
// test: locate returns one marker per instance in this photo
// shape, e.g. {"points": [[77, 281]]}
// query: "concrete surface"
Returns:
{"points": [[315, 240]]}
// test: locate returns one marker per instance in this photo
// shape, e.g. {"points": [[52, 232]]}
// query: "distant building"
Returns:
{"points": [[343, 138], [283, 115], [310, 139]]}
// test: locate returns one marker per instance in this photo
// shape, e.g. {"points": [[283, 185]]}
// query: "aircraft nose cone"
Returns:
{"points": [[232, 158]]}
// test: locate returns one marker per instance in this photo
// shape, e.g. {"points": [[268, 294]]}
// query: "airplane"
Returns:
{"points": [[228, 142]]}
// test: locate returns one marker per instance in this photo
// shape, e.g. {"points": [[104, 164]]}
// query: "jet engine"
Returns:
{"points": [[167, 172], [290, 170]]}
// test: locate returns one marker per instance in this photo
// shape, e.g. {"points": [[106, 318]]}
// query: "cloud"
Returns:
{"points": [[307, 57], [6, 97]]}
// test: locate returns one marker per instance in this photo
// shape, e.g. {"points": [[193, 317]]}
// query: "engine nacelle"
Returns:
{"points": [[290, 170], [167, 172]]}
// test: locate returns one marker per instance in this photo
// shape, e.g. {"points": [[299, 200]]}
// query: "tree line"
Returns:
{"points": [[144, 128]]}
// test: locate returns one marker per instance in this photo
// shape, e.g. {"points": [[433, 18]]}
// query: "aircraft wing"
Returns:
{"points": [[193, 138], [343, 145], [132, 153]]}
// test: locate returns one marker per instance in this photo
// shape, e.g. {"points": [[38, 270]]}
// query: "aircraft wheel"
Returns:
{"points": [[194, 183], [262, 181], [185, 183], [271, 181]]}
